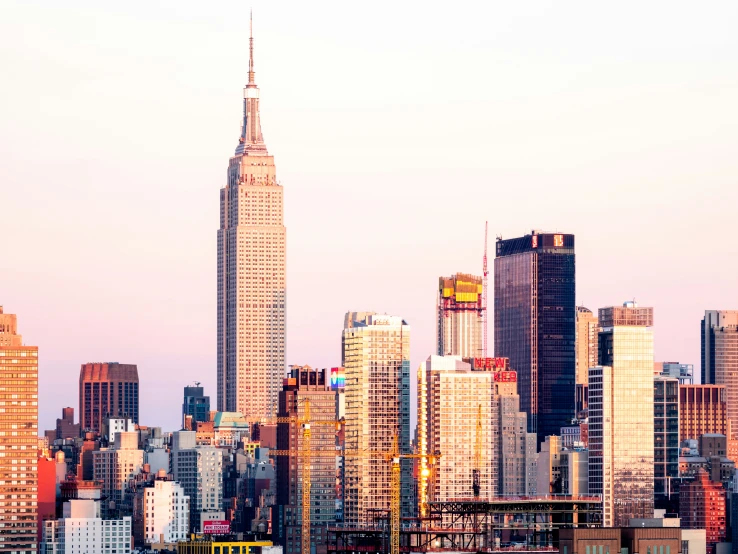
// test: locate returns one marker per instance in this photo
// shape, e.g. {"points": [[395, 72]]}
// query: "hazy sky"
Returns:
{"points": [[398, 128]]}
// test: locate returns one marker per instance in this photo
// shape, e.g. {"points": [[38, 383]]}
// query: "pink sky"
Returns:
{"points": [[398, 129]]}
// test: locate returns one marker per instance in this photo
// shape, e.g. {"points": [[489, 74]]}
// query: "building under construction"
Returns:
{"points": [[461, 313], [529, 524]]}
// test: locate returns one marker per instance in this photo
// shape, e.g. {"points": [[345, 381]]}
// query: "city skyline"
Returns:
{"points": [[79, 312]]}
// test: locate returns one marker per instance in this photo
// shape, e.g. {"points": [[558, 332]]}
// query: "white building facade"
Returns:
{"points": [[166, 512], [83, 531]]}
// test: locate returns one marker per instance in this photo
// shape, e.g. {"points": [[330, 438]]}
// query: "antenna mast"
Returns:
{"points": [[485, 273]]}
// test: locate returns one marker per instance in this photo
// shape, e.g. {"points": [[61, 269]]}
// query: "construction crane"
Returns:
{"points": [[485, 273], [393, 457], [305, 459], [477, 470]]}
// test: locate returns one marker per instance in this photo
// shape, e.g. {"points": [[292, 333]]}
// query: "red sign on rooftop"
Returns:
{"points": [[216, 527]]}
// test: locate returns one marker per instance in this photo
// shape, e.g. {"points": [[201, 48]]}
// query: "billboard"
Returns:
{"points": [[216, 527], [490, 363], [506, 376], [338, 378]]}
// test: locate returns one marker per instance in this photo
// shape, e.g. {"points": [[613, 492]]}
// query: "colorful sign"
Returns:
{"points": [[216, 527], [506, 376], [338, 378], [490, 363]]}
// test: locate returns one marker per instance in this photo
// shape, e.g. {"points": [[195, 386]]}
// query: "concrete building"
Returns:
{"points": [[199, 469], [574, 471], [114, 425], [549, 466], [251, 273], [535, 325], [81, 530], [720, 358], [229, 428], [586, 340], [633, 540], [666, 433], [702, 506], [195, 404], [460, 316], [107, 390], [305, 384], [454, 401], [19, 447], [621, 416], [114, 467], [376, 358], [66, 428], [161, 511]]}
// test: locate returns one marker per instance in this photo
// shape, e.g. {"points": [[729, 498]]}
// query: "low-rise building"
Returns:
{"points": [[81, 530], [161, 511]]}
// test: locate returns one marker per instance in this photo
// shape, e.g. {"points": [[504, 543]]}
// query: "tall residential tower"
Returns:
{"points": [[720, 357], [460, 316], [535, 317], [19, 447], [251, 273]]}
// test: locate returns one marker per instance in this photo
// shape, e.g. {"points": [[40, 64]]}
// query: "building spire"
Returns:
{"points": [[251, 141], [251, 47]]}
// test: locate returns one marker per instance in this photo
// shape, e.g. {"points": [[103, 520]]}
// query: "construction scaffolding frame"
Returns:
{"points": [[521, 524]]}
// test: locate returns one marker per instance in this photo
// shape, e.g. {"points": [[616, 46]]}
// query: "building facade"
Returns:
{"points": [[535, 326], [306, 385], [81, 530], [251, 273], [114, 467], [702, 409], [195, 404], [460, 316], [457, 417], [587, 328], [720, 357], [161, 511], [666, 434], [702, 506], [18, 440], [199, 470], [376, 359], [107, 390], [621, 417]]}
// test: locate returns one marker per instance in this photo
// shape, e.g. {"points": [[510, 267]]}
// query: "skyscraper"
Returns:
{"points": [[305, 384], [376, 358], [459, 316], [107, 390], [702, 410], [586, 343], [720, 357], [251, 273], [621, 415], [535, 324], [19, 447]]}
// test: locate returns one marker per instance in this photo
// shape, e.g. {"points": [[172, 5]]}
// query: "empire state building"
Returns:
{"points": [[251, 273]]}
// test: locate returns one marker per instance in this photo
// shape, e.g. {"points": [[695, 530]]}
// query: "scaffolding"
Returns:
{"points": [[528, 524]]}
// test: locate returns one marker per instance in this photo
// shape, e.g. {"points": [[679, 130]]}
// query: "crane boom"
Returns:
{"points": [[485, 273]]}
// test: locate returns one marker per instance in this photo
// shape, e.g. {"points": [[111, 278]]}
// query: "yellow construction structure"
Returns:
{"points": [[305, 459]]}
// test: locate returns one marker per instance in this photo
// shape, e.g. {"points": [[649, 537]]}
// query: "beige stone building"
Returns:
{"points": [[586, 338], [18, 439], [251, 273], [376, 358]]}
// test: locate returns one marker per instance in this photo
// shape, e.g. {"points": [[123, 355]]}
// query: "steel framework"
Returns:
{"points": [[473, 525]]}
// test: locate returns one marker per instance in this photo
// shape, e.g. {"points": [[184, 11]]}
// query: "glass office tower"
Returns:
{"points": [[535, 318]]}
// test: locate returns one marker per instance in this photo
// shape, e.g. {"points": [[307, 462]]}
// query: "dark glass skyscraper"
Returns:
{"points": [[196, 404], [535, 316]]}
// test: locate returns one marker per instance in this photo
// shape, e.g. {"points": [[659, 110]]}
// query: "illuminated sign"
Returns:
{"points": [[534, 241], [506, 377], [338, 378], [216, 527], [490, 363], [559, 240]]}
